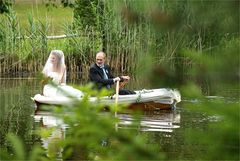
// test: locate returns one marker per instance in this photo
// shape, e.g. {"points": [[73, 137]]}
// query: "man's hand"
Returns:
{"points": [[116, 79], [125, 77]]}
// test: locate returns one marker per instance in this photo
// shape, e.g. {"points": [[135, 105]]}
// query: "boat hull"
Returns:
{"points": [[145, 106], [154, 99], [150, 106]]}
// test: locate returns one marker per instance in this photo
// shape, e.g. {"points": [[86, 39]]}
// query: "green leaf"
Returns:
{"points": [[17, 146]]}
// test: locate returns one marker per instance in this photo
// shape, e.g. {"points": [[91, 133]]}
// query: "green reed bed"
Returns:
{"points": [[28, 42], [123, 43], [136, 36]]}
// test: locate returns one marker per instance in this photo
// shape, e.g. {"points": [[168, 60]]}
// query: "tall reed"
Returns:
{"points": [[133, 34]]}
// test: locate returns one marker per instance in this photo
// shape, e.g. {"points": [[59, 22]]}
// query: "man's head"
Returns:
{"points": [[100, 58]]}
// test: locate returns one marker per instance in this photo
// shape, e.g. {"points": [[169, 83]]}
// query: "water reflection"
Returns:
{"points": [[47, 119], [52, 142], [154, 121], [16, 110], [164, 121]]}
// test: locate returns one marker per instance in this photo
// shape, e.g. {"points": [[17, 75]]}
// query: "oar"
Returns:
{"points": [[116, 98], [117, 92], [116, 102]]}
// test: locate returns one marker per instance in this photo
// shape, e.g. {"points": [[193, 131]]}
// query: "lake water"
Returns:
{"points": [[163, 128]]}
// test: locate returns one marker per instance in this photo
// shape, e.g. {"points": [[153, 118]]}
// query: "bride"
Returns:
{"points": [[55, 69]]}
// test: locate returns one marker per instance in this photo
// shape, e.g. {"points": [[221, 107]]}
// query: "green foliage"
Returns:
{"points": [[85, 13], [96, 135], [191, 45], [129, 32], [220, 134], [18, 151], [200, 55], [4, 6]]}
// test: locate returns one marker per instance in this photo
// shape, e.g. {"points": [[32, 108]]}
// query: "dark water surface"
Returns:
{"points": [[161, 128]]}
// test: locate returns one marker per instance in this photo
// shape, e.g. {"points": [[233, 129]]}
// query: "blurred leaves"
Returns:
{"points": [[197, 50], [194, 40], [95, 134], [191, 45], [220, 135], [5, 5], [191, 90], [18, 147], [18, 152]]}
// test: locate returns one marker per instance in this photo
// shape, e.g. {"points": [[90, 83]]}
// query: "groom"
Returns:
{"points": [[100, 74]]}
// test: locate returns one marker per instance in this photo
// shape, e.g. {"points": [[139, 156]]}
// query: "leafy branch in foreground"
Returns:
{"points": [[17, 151], [93, 134]]}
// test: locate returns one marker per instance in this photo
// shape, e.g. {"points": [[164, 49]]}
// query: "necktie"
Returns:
{"points": [[104, 74], [105, 77]]}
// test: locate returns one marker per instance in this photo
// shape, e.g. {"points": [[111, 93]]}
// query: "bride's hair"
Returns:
{"points": [[60, 67], [60, 59]]}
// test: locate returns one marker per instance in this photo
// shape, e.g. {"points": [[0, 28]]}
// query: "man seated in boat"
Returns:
{"points": [[100, 75]]}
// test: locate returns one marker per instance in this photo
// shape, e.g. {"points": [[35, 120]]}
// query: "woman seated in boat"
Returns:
{"points": [[55, 69]]}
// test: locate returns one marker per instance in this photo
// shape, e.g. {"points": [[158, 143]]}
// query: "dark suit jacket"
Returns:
{"points": [[96, 76]]}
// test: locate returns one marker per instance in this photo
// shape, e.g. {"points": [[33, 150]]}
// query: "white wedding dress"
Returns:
{"points": [[60, 90]]}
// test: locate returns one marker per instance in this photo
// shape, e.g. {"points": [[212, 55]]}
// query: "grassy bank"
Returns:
{"points": [[55, 17]]}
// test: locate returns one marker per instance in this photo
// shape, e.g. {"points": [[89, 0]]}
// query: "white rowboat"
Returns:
{"points": [[151, 99]]}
